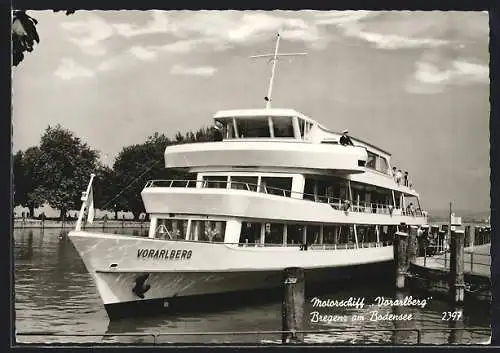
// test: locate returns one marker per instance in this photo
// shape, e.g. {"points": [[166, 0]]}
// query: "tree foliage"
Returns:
{"points": [[57, 171], [27, 178], [24, 34], [65, 163], [137, 164]]}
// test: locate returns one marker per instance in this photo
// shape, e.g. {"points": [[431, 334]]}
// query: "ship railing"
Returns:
{"points": [[334, 202], [440, 255], [316, 246]]}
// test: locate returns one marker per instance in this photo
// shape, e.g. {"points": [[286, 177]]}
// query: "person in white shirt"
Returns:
{"points": [[399, 176]]}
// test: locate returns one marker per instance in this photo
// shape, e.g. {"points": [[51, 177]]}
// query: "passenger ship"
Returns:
{"points": [[277, 190]]}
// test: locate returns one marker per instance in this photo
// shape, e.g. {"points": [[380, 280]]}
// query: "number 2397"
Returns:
{"points": [[451, 315]]}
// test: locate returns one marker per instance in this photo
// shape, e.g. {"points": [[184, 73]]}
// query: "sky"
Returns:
{"points": [[413, 83]]}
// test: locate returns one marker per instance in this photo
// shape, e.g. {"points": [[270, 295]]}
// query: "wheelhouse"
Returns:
{"points": [[264, 123]]}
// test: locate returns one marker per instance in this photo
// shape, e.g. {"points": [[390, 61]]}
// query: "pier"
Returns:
{"points": [[449, 262], [70, 224]]}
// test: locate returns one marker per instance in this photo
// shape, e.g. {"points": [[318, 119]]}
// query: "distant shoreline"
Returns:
{"points": [[37, 224]]}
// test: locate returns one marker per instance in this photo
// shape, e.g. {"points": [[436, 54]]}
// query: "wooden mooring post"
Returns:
{"points": [[292, 309], [401, 258], [477, 235], [457, 284], [456, 325], [467, 241], [412, 249]]}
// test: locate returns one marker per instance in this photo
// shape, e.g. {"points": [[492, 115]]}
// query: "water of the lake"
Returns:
{"points": [[54, 293]]}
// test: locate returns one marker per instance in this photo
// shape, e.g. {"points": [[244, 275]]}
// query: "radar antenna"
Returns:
{"points": [[274, 58]]}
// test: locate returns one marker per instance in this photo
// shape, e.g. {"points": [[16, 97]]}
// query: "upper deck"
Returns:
{"points": [[280, 124], [279, 139]]}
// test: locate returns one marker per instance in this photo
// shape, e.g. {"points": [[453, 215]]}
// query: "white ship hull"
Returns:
{"points": [[136, 274]]}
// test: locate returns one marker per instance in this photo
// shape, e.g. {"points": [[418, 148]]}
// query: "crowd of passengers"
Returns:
{"points": [[400, 178]]}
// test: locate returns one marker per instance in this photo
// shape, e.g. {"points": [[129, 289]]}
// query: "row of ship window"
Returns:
{"points": [[370, 198], [276, 126], [271, 233]]}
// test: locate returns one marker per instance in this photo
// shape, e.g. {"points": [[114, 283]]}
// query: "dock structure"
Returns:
{"points": [[457, 266]]}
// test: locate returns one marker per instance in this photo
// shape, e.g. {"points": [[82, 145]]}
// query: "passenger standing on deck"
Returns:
{"points": [[406, 179], [399, 176], [394, 173], [345, 139]]}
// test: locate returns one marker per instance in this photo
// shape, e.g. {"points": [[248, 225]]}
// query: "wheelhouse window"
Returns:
{"points": [[250, 233], [302, 124], [294, 234], [274, 233], [244, 183], [226, 127], [331, 190], [283, 126], [209, 231], [171, 229], [382, 165], [371, 162], [215, 182], [276, 186], [313, 234], [253, 127]]}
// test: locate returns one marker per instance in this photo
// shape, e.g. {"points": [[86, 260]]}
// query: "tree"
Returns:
{"points": [[24, 34], [65, 164], [137, 164], [105, 188], [20, 194], [26, 178], [134, 166]]}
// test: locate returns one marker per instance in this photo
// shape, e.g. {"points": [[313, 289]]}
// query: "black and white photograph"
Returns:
{"points": [[251, 177]]}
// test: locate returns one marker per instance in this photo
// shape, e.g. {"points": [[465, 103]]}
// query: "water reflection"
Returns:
{"points": [[54, 292], [403, 321], [25, 246], [456, 324]]}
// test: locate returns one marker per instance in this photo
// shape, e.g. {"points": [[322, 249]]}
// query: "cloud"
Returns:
{"points": [[69, 69], [362, 25], [393, 41], [89, 34], [142, 53], [158, 24], [222, 29], [204, 71], [340, 17], [181, 46], [471, 71], [429, 78]]}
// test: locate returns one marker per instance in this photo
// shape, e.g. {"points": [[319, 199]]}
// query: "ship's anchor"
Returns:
{"points": [[140, 288]]}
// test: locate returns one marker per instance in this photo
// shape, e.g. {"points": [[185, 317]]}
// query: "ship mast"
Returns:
{"points": [[274, 58]]}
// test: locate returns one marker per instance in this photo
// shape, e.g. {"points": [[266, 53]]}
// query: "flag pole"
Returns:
{"points": [[84, 198]]}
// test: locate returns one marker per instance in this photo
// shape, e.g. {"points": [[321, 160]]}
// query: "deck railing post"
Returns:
{"points": [[456, 282], [292, 308], [425, 255]]}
